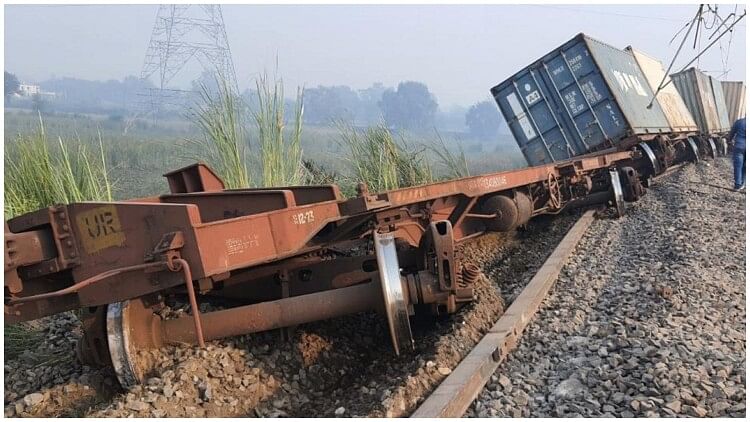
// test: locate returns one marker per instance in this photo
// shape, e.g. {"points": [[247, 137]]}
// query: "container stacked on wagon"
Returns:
{"points": [[587, 96]]}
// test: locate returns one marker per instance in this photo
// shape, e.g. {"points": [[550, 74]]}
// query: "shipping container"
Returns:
{"points": [[734, 95], [721, 105], [675, 110], [696, 91], [583, 96]]}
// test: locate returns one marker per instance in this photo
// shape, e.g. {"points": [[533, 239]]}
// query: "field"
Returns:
{"points": [[137, 153]]}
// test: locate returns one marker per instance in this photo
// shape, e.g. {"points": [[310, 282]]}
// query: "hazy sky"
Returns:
{"points": [[459, 51]]}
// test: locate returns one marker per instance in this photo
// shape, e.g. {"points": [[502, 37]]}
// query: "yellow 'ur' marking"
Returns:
{"points": [[100, 228]]}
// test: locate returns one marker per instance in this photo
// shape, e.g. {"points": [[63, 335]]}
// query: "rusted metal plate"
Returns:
{"points": [[241, 242], [197, 177], [456, 393]]}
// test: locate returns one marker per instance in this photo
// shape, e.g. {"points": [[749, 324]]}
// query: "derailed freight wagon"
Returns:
{"points": [[734, 95], [686, 135], [583, 96], [704, 98]]}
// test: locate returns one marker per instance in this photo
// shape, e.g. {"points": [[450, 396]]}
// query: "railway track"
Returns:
{"points": [[646, 305], [456, 393]]}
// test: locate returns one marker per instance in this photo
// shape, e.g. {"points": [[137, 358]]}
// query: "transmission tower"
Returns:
{"points": [[186, 40]]}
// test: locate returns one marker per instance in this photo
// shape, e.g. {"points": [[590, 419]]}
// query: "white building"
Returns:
{"points": [[28, 90]]}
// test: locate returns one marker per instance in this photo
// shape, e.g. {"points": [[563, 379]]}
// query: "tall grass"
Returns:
{"points": [[454, 165], [281, 157], [382, 161], [39, 174], [219, 115], [222, 118]]}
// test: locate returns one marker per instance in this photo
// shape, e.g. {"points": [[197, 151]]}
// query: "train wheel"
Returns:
{"points": [[131, 323], [712, 150], [395, 299], [506, 212], [694, 149], [121, 349], [655, 167], [525, 207], [617, 196]]}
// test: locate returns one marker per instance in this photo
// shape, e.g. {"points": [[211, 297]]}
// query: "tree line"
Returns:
{"points": [[409, 106]]}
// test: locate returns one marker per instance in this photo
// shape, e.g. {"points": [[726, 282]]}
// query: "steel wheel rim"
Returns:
{"points": [[394, 299], [118, 340], [651, 157], [619, 200]]}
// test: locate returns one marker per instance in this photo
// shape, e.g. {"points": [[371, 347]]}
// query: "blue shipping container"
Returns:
{"points": [[583, 96]]}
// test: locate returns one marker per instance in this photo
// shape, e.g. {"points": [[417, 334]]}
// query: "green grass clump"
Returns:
{"points": [[39, 174], [219, 117], [454, 165], [382, 161], [317, 174], [222, 119], [281, 157]]}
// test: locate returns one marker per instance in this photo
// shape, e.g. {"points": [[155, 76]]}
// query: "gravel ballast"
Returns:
{"points": [[646, 319]]}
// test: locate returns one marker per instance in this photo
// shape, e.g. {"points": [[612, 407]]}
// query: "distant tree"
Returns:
{"points": [[84, 96], [369, 112], [483, 119], [325, 104], [410, 106], [11, 85], [451, 119]]}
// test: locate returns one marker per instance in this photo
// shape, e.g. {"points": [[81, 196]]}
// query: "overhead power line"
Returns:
{"points": [[599, 12], [697, 18]]}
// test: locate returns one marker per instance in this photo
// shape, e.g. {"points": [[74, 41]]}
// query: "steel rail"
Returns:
{"points": [[456, 393]]}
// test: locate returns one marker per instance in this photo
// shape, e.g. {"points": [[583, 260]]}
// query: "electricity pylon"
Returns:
{"points": [[182, 35]]}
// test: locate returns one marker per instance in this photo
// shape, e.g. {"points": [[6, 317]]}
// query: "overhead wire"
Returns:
{"points": [[705, 22], [682, 44], [714, 41], [698, 17], [731, 33]]}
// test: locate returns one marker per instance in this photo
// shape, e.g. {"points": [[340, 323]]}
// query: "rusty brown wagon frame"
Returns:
{"points": [[277, 257]]}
